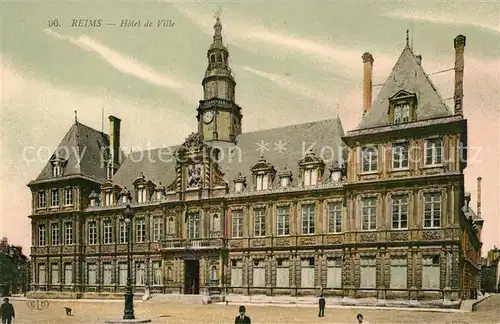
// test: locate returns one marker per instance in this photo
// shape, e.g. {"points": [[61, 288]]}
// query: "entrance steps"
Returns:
{"points": [[179, 298]]}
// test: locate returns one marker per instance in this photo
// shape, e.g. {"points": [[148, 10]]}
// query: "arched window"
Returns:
{"points": [[219, 58], [212, 58]]}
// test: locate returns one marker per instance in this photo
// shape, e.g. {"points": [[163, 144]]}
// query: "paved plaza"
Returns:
{"points": [[175, 312]]}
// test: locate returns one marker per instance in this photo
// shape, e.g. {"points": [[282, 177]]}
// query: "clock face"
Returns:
{"points": [[208, 116]]}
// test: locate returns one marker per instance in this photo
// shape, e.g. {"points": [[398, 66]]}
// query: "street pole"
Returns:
{"points": [[128, 312]]}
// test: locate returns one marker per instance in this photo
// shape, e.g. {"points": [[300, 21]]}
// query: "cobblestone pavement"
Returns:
{"points": [[172, 312]]}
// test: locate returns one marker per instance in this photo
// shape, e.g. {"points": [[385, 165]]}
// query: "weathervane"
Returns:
{"points": [[217, 12], [76, 117]]}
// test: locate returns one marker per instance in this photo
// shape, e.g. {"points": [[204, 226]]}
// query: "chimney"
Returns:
{"points": [[459, 43], [367, 81], [419, 59], [479, 197], [114, 140]]}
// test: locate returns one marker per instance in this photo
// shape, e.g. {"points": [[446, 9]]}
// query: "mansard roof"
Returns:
{"points": [[282, 147], [408, 76], [81, 149]]}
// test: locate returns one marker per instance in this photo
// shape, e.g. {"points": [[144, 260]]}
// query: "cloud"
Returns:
{"points": [[125, 64], [447, 18]]}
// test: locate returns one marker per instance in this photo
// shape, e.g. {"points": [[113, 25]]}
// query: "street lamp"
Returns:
{"points": [[128, 312]]}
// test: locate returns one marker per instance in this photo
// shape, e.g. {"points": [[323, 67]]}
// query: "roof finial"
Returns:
{"points": [[218, 25], [76, 117], [338, 108], [408, 38]]}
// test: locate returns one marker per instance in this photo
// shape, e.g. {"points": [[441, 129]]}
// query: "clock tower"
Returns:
{"points": [[219, 117]]}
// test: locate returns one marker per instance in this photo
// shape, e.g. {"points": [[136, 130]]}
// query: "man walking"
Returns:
{"points": [[242, 318], [322, 304], [7, 311]]}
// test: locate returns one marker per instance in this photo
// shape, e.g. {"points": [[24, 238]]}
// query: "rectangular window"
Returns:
{"points": [[400, 212], [434, 151], [54, 269], [171, 226], [122, 273], [369, 217], [107, 273], [369, 156], [91, 274], [142, 196], [259, 273], [41, 274], [109, 199], [402, 113], [157, 229], [68, 274], [367, 267], [157, 274], [282, 273], [194, 226], [334, 273], [140, 226], [262, 182], [41, 235], [308, 218], [42, 199], [398, 273], [400, 156], [259, 222], [334, 210], [68, 233], [432, 210], [54, 198], [237, 223], [123, 233], [236, 273], [92, 232], [283, 220], [310, 177], [108, 232], [431, 272], [140, 273], [55, 233], [307, 273], [68, 196]]}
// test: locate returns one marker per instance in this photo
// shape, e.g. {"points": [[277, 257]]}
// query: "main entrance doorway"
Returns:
{"points": [[192, 277]]}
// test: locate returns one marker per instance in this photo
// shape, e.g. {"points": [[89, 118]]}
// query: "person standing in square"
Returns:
{"points": [[7, 312], [322, 304]]}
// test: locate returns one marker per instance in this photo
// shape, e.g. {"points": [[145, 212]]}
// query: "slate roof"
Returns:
{"points": [[159, 164], [84, 143], [407, 75]]}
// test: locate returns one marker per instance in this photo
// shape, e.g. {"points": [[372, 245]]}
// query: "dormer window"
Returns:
{"points": [[263, 173], [143, 189], [94, 199], [125, 196], [240, 183], [58, 164], [311, 169], [109, 199], [402, 107], [285, 178]]}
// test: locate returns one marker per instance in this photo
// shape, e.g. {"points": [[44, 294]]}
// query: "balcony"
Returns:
{"points": [[194, 244]]}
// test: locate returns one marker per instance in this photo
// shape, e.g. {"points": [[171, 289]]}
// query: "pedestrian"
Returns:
{"points": [[7, 311], [360, 319], [242, 318], [322, 304]]}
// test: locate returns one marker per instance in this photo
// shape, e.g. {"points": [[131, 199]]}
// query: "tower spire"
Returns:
{"points": [[408, 38], [218, 25]]}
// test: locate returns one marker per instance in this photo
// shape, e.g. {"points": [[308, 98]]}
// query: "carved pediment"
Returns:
{"points": [[311, 159], [109, 185], [402, 94], [193, 145], [263, 165]]}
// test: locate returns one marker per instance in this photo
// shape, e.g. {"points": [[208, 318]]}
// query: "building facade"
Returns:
{"points": [[379, 211], [490, 271], [14, 269]]}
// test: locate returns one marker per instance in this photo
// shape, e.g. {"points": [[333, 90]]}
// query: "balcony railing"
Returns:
{"points": [[181, 244]]}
